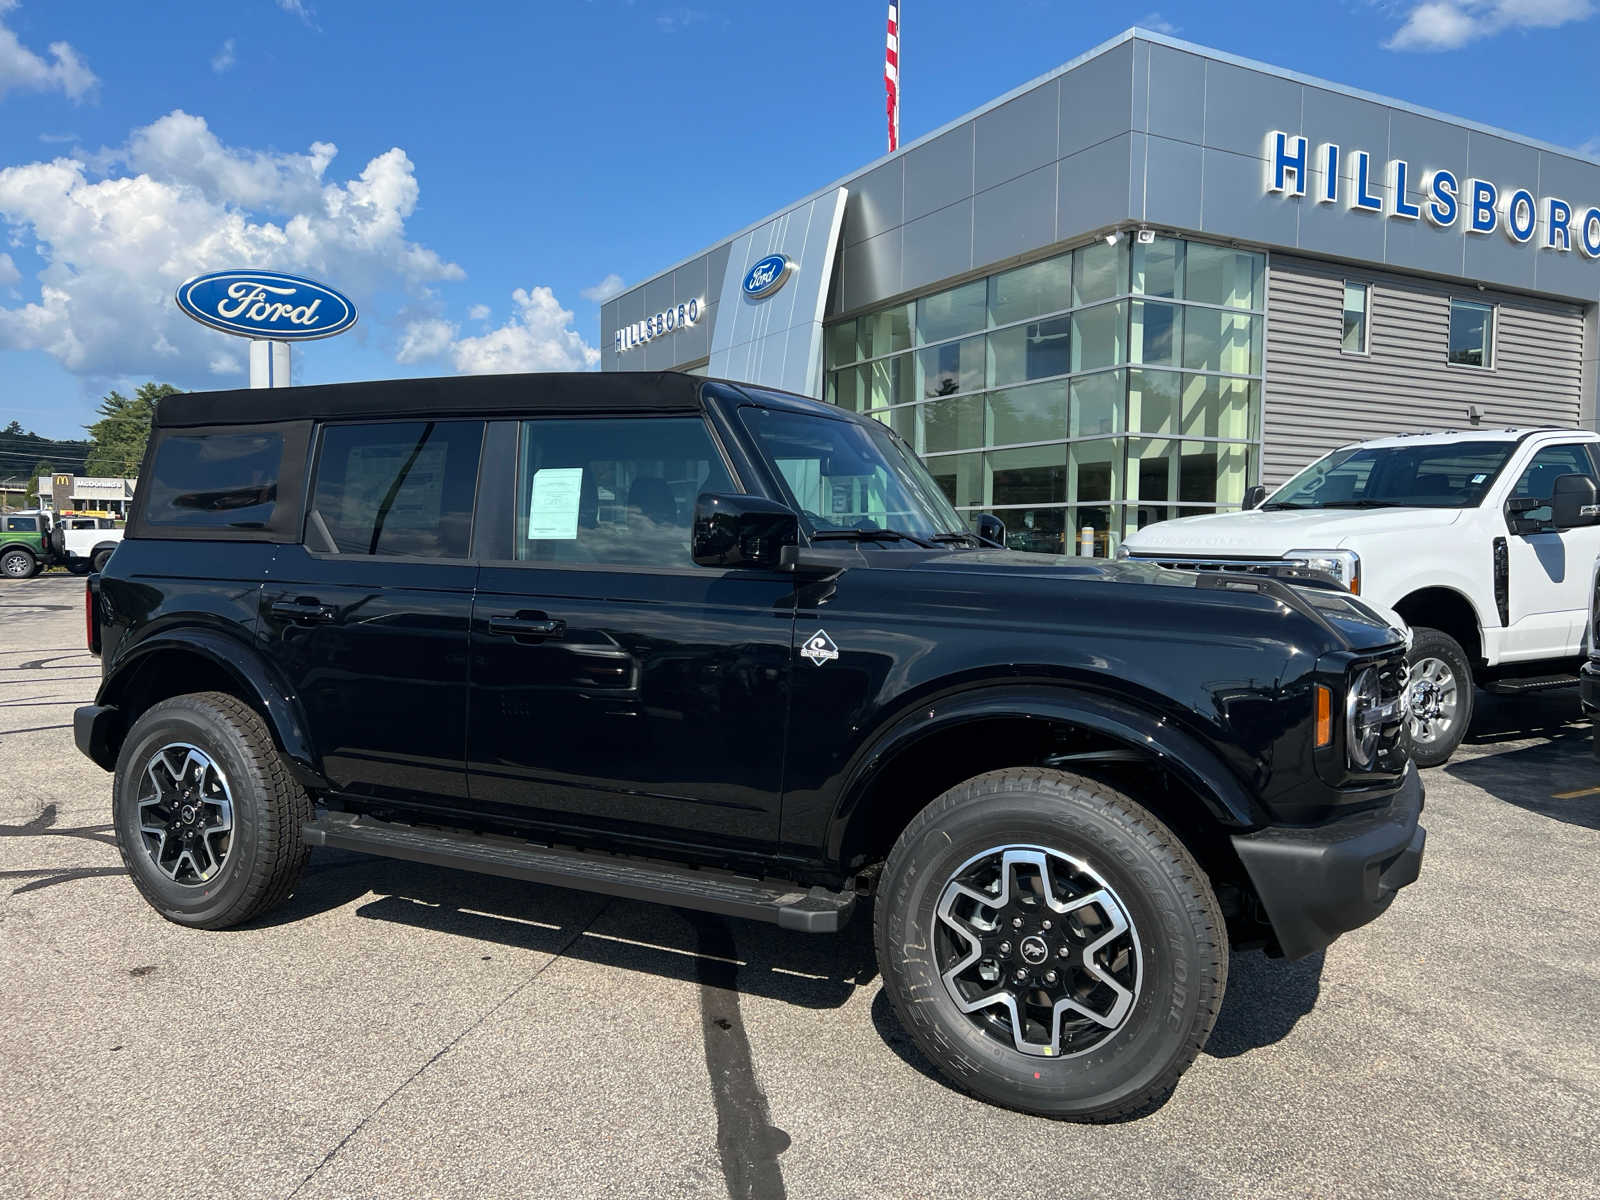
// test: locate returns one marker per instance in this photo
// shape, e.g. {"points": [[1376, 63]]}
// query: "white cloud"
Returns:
{"points": [[1451, 24], [423, 339], [224, 58], [478, 312], [117, 238], [1591, 147], [9, 275], [1156, 23], [608, 287], [539, 337], [674, 19], [299, 8], [57, 139], [23, 70]]}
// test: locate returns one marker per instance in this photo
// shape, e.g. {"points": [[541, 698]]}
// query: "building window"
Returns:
{"points": [[1102, 389], [1471, 334], [1357, 305]]}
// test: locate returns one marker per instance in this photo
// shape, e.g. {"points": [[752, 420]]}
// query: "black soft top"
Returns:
{"points": [[635, 391]]}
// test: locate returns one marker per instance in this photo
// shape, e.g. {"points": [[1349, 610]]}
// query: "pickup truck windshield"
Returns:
{"points": [[847, 475], [1427, 475]]}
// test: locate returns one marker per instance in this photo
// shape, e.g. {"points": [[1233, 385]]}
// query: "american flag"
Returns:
{"points": [[891, 75]]}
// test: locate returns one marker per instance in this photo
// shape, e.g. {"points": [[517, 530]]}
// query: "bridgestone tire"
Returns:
{"points": [[18, 564], [1429, 643], [267, 851], [1182, 943]]}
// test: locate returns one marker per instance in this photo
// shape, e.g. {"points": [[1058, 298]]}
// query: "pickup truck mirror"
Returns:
{"points": [[1572, 502], [991, 529], [1254, 496], [741, 531]]}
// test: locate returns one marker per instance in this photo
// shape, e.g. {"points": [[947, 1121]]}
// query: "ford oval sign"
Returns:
{"points": [[767, 276], [266, 304]]}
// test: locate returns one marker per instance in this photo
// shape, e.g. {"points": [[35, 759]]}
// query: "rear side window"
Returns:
{"points": [[225, 481], [395, 488], [22, 525]]}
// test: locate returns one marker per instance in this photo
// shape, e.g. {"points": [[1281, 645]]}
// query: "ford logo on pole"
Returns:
{"points": [[767, 276], [266, 304]]}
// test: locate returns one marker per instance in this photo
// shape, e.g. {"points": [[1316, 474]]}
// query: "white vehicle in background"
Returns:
{"points": [[1482, 541]]}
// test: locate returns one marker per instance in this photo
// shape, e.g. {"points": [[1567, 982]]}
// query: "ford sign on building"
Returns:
{"points": [[266, 304], [1133, 288]]}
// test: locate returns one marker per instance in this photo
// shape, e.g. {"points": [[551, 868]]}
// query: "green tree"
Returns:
{"points": [[42, 467], [117, 439]]}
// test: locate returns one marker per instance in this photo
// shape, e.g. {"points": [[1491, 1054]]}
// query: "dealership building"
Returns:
{"points": [[1160, 274]]}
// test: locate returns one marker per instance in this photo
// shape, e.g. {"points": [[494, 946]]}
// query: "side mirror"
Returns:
{"points": [[1254, 496], [991, 529], [742, 531], [1572, 503]]}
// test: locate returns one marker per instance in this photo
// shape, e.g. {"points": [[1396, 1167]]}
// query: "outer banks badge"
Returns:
{"points": [[820, 648]]}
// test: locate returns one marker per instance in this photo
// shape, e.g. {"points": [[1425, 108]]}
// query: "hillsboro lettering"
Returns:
{"points": [[1330, 174]]}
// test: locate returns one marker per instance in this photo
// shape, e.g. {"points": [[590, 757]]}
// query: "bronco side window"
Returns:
{"points": [[610, 490], [395, 488], [215, 482]]}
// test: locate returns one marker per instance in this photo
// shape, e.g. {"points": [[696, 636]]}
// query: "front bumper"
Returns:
{"points": [[1318, 882], [1589, 686], [94, 729]]}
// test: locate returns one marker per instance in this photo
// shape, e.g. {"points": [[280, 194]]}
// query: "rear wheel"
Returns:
{"points": [[78, 566], [208, 819], [1050, 945], [1440, 691], [18, 564], [101, 557]]}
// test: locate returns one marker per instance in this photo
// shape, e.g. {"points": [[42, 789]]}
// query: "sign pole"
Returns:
{"points": [[269, 363]]}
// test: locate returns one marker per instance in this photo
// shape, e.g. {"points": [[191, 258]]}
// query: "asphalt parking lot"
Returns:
{"points": [[402, 1031]]}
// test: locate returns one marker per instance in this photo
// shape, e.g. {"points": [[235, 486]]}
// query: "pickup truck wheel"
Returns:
{"points": [[1440, 690], [1050, 945], [207, 817], [101, 557], [17, 564], [78, 566]]}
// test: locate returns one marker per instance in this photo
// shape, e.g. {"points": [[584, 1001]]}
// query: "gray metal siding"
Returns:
{"points": [[1318, 398]]}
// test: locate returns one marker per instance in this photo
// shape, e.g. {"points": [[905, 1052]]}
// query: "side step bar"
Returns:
{"points": [[787, 905], [1529, 684]]}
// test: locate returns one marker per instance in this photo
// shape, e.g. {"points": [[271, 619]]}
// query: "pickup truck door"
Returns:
{"points": [[1549, 570], [617, 688]]}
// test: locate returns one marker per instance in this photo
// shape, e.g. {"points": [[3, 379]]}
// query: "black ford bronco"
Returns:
{"points": [[734, 651]]}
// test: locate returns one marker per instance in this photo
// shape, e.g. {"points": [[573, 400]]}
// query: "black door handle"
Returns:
{"points": [[304, 611], [527, 627]]}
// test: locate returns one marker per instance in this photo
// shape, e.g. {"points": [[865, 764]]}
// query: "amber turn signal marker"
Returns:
{"points": [[1324, 717]]}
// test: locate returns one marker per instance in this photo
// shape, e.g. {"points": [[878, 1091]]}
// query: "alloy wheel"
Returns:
{"points": [[1038, 950], [1435, 701], [185, 814]]}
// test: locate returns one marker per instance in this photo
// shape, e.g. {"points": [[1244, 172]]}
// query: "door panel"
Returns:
{"points": [[616, 687], [1549, 570], [371, 617]]}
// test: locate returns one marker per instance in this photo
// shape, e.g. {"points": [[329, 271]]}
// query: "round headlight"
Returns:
{"points": [[1361, 732]]}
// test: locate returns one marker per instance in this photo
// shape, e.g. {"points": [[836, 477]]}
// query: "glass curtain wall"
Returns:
{"points": [[1109, 387]]}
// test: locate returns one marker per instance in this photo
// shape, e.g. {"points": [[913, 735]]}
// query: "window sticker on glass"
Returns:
{"points": [[553, 511], [1479, 477]]}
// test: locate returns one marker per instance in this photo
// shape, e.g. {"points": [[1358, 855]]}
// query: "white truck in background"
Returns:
{"points": [[1483, 541]]}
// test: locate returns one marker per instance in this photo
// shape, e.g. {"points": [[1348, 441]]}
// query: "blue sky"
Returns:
{"points": [[473, 174]]}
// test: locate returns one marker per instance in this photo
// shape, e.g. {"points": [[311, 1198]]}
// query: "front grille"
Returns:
{"points": [[1247, 565]]}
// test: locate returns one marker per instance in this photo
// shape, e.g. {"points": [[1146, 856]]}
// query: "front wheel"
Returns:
{"points": [[78, 566], [1440, 690], [100, 559], [1050, 945], [17, 564]]}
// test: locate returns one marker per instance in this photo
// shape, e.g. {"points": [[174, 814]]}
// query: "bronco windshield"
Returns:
{"points": [[851, 475], [1426, 475]]}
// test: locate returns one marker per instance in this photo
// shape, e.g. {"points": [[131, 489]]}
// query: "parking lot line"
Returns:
{"points": [[1588, 791]]}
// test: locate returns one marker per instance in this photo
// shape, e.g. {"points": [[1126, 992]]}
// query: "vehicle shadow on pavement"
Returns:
{"points": [[801, 969], [1509, 718], [1541, 778]]}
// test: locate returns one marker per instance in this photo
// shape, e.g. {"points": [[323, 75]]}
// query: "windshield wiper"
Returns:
{"points": [[1363, 504], [872, 535], [958, 539]]}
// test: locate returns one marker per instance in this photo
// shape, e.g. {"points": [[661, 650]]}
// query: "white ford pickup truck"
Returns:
{"points": [[1482, 541]]}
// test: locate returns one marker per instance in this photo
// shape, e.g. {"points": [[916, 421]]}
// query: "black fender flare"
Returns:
{"points": [[33, 550], [1147, 732], [257, 678]]}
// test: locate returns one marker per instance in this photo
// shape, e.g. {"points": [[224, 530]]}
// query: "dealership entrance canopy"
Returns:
{"points": [[1131, 289]]}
